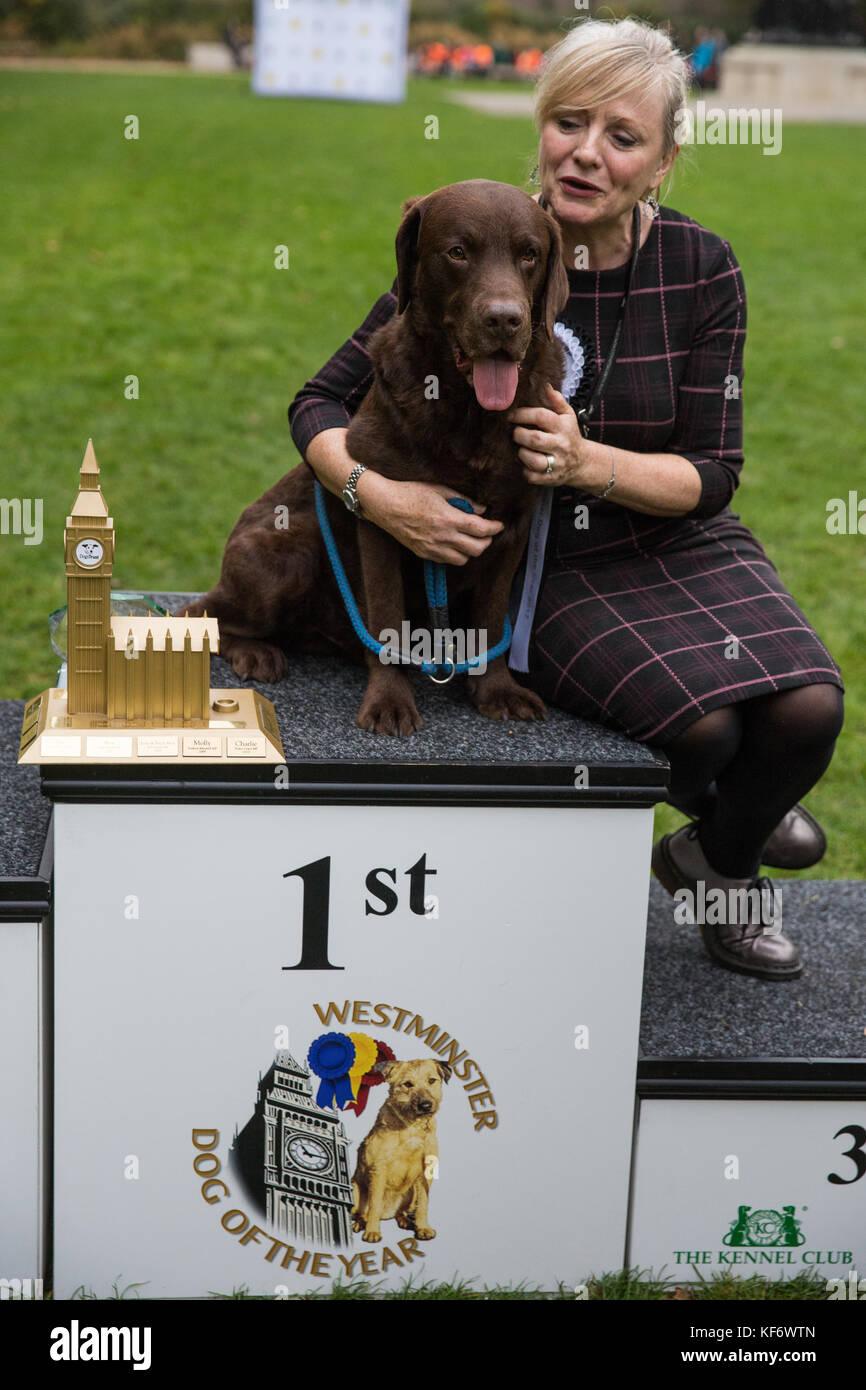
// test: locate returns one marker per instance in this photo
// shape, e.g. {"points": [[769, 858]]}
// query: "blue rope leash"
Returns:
{"points": [[436, 587]]}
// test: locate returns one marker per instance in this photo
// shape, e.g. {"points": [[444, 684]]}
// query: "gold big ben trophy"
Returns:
{"points": [[138, 688]]}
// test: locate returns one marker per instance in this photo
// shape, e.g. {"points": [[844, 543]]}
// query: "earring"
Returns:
{"points": [[533, 176], [653, 204]]}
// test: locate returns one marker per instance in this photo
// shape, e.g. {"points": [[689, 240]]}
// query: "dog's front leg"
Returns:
{"points": [[496, 693], [358, 1212], [375, 1204], [388, 706], [423, 1229]]}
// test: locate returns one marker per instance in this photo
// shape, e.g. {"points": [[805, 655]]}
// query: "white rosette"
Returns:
{"points": [[574, 360]]}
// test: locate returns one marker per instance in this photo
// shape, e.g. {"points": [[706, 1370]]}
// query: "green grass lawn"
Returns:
{"points": [[626, 1285], [155, 258]]}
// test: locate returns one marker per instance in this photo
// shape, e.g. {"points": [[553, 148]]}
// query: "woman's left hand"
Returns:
{"points": [[551, 432]]}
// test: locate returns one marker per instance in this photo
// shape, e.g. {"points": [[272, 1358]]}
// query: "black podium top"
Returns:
{"points": [[25, 845], [457, 755]]}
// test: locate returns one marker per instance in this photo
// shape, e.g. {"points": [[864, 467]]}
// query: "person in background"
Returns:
{"points": [[703, 60]]}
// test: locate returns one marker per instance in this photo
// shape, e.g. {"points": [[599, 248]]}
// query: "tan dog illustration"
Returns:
{"points": [[398, 1158]]}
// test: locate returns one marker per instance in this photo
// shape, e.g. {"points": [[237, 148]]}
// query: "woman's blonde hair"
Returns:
{"points": [[598, 61]]}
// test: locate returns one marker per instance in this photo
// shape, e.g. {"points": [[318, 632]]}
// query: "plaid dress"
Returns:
{"points": [[643, 623]]}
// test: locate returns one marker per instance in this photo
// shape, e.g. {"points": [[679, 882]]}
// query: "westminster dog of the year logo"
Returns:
{"points": [[335, 1171], [293, 1154]]}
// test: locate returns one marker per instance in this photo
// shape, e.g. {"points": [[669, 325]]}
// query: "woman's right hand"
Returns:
{"points": [[419, 517]]}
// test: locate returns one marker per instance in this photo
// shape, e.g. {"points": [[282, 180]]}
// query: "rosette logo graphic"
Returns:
{"points": [[347, 1065]]}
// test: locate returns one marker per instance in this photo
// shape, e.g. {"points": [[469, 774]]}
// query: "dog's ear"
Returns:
{"points": [[384, 1068], [554, 295], [444, 1071], [407, 250]]}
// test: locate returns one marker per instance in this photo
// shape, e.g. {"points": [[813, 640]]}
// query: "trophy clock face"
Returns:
{"points": [[309, 1154], [88, 553]]}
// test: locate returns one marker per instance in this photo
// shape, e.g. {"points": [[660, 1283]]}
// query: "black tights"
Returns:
{"points": [[762, 755]]}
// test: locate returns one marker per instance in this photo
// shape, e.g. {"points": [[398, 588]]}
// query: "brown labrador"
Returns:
{"points": [[480, 283]]}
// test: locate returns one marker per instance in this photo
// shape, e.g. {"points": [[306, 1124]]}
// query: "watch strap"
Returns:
{"points": [[349, 493]]}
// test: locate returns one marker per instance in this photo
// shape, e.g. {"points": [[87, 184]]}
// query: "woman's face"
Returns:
{"points": [[616, 148]]}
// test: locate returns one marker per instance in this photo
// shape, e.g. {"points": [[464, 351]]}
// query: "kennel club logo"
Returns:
{"points": [[293, 1161], [772, 1237], [765, 1228]]}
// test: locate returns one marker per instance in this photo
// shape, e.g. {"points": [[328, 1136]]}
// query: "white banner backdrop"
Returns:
{"points": [[350, 49]]}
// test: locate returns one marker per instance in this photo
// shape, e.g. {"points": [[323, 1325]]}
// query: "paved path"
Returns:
{"points": [[111, 65], [517, 103], [521, 104], [495, 103]]}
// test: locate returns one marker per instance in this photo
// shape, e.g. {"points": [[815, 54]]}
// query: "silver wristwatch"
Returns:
{"points": [[348, 494]]}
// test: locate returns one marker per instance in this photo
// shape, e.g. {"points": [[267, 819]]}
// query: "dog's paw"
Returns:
{"points": [[371, 1237], [505, 699], [257, 661], [358, 1225], [404, 1221], [425, 1232], [189, 610], [388, 713]]}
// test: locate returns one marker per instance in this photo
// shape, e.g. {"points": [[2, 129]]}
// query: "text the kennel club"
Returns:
{"points": [[293, 1156]]}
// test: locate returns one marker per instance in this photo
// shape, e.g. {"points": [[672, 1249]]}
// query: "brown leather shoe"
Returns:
{"points": [[798, 841], [747, 947]]}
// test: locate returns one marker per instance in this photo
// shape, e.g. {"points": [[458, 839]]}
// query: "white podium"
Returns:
{"points": [[25, 1040], [217, 937], [750, 1142]]}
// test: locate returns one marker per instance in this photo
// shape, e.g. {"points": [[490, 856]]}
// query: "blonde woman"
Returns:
{"points": [[656, 612]]}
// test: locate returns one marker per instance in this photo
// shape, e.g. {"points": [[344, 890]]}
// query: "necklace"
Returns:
{"points": [[584, 416]]}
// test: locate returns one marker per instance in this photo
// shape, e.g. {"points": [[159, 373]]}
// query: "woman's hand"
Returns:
{"points": [[419, 517], [548, 432]]}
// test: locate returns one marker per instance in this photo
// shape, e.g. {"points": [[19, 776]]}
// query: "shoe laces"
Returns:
{"points": [[765, 886], [750, 931]]}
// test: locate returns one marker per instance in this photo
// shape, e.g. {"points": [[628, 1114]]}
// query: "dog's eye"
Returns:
{"points": [[409, 1084], [457, 253], [530, 254]]}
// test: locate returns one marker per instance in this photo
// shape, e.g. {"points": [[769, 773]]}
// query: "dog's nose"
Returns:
{"points": [[426, 1106], [502, 315]]}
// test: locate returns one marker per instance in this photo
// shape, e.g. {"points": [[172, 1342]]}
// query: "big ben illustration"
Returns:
{"points": [[89, 552], [293, 1159]]}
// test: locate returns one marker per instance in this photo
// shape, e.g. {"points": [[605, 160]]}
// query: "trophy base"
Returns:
{"points": [[242, 728]]}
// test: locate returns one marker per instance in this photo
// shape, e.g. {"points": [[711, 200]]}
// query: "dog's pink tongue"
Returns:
{"points": [[495, 382]]}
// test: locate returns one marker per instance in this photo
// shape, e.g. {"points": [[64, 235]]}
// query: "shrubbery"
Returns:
{"points": [[119, 28]]}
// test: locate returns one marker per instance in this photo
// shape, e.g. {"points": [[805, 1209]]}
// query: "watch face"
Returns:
{"points": [[88, 553], [307, 1153]]}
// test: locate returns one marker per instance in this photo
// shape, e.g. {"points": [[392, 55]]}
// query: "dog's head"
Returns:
{"points": [[481, 262], [415, 1088]]}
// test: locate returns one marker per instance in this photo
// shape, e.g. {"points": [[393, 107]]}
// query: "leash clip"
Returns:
{"points": [[449, 658]]}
